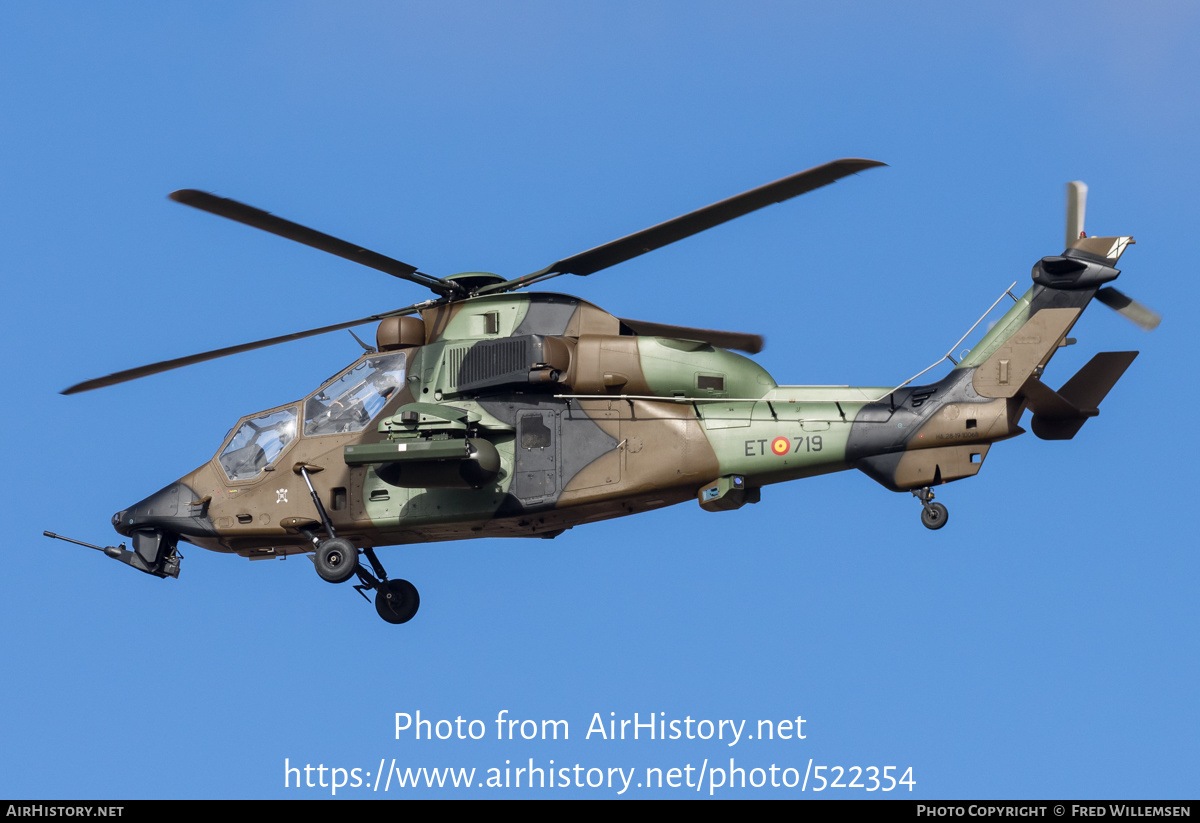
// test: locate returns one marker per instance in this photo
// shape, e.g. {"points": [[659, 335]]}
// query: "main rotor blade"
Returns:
{"points": [[179, 362], [259, 219], [1124, 305], [742, 341], [655, 237]]}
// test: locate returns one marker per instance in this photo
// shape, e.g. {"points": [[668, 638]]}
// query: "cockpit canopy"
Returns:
{"points": [[346, 403]]}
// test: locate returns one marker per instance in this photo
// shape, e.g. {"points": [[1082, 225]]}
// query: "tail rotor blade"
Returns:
{"points": [[1076, 206], [1130, 309]]}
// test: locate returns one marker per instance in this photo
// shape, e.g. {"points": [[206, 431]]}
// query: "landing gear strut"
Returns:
{"points": [[933, 515], [336, 558]]}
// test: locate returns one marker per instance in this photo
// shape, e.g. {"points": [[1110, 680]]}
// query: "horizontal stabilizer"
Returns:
{"points": [[1108, 247], [1059, 415]]}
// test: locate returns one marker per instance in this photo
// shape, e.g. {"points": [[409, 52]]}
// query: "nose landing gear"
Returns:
{"points": [[933, 515]]}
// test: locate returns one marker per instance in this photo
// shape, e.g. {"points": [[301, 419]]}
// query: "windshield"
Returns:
{"points": [[349, 401], [257, 442]]}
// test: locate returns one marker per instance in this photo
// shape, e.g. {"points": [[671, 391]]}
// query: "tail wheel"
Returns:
{"points": [[934, 516], [336, 560], [397, 601]]}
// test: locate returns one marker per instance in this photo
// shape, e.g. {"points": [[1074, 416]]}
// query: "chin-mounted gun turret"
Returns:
{"points": [[153, 553]]}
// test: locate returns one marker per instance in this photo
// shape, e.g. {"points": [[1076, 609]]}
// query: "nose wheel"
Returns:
{"points": [[933, 515]]}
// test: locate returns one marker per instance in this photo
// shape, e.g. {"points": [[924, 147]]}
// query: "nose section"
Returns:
{"points": [[175, 509]]}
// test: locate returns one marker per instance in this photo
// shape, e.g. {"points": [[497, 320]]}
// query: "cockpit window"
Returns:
{"points": [[257, 442], [349, 401]]}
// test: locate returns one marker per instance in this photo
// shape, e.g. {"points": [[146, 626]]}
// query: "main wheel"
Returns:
{"points": [[397, 601], [336, 560], [934, 516]]}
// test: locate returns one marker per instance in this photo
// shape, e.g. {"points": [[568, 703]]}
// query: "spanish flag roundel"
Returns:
{"points": [[780, 445]]}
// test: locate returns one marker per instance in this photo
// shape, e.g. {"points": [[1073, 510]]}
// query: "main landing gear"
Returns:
{"points": [[933, 515], [396, 601], [336, 560]]}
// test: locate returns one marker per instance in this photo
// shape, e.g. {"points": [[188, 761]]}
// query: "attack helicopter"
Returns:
{"points": [[486, 411]]}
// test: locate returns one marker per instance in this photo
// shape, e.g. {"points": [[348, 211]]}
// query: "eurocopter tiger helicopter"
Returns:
{"points": [[484, 413]]}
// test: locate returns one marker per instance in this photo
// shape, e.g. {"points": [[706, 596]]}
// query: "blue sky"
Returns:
{"points": [[1044, 644]]}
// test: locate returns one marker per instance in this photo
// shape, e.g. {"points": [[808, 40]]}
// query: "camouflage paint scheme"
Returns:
{"points": [[591, 421], [493, 414]]}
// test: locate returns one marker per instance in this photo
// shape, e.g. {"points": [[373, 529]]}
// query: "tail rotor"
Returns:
{"points": [[1110, 249]]}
